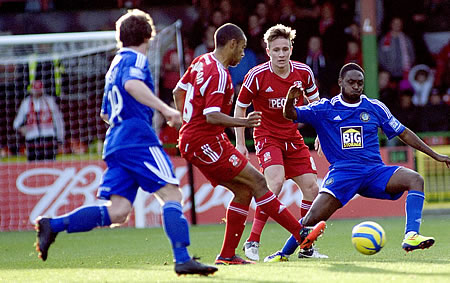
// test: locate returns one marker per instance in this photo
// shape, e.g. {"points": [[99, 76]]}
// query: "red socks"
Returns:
{"points": [[270, 204], [236, 216], [258, 225], [304, 207]]}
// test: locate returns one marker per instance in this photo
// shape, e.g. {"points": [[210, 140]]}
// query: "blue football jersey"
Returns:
{"points": [[130, 122], [348, 133]]}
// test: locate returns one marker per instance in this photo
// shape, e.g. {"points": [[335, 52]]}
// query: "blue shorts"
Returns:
{"points": [[128, 169], [367, 181]]}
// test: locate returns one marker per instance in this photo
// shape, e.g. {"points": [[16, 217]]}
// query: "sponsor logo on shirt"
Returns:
{"points": [[277, 103], [269, 89], [395, 124], [337, 118], [352, 137]]}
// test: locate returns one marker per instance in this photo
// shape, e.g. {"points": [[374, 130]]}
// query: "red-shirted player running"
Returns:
{"points": [[205, 96], [280, 148]]}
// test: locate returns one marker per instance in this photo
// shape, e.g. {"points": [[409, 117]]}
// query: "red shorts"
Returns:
{"points": [[294, 156], [216, 157]]}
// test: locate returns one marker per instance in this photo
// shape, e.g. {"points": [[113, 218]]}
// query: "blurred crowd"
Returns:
{"points": [[413, 82], [414, 79]]}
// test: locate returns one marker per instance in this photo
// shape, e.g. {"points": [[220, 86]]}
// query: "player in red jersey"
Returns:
{"points": [[205, 96], [280, 148]]}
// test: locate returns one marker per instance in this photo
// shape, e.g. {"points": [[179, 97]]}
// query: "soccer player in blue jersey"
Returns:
{"points": [[132, 151], [347, 126]]}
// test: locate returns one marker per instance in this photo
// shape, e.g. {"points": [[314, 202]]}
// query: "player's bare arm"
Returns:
{"points": [[179, 96], [414, 141], [218, 118], [144, 95], [289, 108], [239, 112]]}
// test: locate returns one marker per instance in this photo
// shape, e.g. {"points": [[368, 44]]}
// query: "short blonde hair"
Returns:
{"points": [[279, 31]]}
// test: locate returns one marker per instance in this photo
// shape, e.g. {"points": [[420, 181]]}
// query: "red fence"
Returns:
{"points": [[53, 188]]}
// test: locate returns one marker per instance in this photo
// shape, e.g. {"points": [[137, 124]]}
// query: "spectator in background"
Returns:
{"points": [[406, 113], [354, 54], [40, 121], [443, 69], [254, 33], [437, 114], [396, 51], [226, 9], [421, 78], [171, 70], [320, 65], [353, 32], [387, 92], [208, 42], [331, 30], [217, 18], [262, 13]]}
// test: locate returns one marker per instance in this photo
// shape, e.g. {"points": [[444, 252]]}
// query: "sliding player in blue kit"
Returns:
{"points": [[132, 151], [347, 127]]}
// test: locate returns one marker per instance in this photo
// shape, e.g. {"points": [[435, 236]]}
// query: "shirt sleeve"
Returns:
{"points": [[388, 123], [183, 82], [306, 114], [312, 92], [248, 90]]}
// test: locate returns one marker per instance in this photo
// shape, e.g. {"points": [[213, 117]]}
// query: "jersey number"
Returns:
{"points": [[188, 107], [116, 101]]}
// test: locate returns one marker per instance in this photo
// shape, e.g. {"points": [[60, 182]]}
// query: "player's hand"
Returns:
{"points": [[243, 149], [254, 119], [173, 117], [295, 91], [443, 158], [318, 147]]}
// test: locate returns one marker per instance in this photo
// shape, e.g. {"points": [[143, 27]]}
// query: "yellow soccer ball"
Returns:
{"points": [[368, 237]]}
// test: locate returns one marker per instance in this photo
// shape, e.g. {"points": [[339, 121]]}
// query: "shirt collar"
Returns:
{"points": [[349, 104], [290, 64], [125, 49], [215, 59]]}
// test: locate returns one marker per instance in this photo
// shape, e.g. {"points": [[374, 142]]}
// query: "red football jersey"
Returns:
{"points": [[208, 89], [267, 91]]}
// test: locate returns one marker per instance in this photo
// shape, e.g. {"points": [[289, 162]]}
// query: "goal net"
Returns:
{"points": [[71, 68]]}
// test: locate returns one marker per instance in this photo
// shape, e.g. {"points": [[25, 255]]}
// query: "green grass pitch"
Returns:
{"points": [[144, 255]]}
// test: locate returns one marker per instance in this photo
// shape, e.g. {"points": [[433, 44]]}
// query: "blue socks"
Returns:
{"points": [[82, 219], [414, 205], [291, 244], [176, 228]]}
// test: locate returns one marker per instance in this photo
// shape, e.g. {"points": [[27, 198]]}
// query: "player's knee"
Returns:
{"points": [[416, 182], [260, 183], [119, 216], [169, 192], [311, 191], [276, 186], [119, 211]]}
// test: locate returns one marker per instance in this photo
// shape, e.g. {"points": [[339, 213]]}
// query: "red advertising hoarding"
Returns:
{"points": [[56, 187]]}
